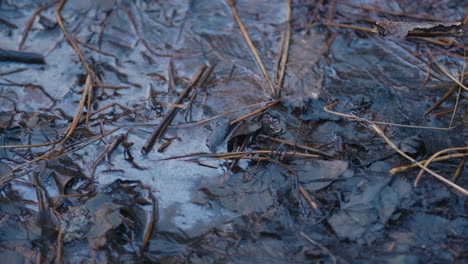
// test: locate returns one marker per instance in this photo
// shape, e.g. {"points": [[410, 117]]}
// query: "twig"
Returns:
{"points": [[225, 114], [31, 21], [370, 30], [308, 198], [392, 145], [21, 56], [59, 245], [445, 71], [316, 151], [284, 57], [152, 222], [326, 109], [255, 112], [116, 60], [446, 157], [320, 246], [441, 100], [243, 153], [70, 130], [249, 42], [161, 128], [428, 161]]}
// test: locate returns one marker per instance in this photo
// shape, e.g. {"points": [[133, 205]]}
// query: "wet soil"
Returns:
{"points": [[312, 187]]}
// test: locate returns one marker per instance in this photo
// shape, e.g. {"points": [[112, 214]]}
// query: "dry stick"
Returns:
{"points": [[31, 21], [308, 198], [316, 151], [445, 71], [371, 30], [446, 157], [426, 164], [247, 39], [320, 246], [392, 145], [161, 128], [255, 112], [285, 50]]}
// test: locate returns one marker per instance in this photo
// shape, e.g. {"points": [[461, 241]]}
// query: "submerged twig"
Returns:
{"points": [[306, 148], [232, 5], [284, 56], [255, 112], [320, 246], [31, 21], [20, 56], [229, 155], [450, 76], [68, 133], [165, 122], [327, 109]]}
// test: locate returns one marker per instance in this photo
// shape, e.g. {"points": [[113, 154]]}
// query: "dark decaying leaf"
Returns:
{"points": [[424, 29]]}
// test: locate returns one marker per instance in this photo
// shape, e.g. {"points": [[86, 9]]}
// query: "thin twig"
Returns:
{"points": [[445, 71], [70, 130], [255, 112], [370, 30], [306, 195], [320, 246], [284, 57], [326, 109], [224, 114], [428, 161], [31, 21], [250, 44], [313, 150], [151, 224], [244, 153], [165, 122], [446, 157], [437, 176]]}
